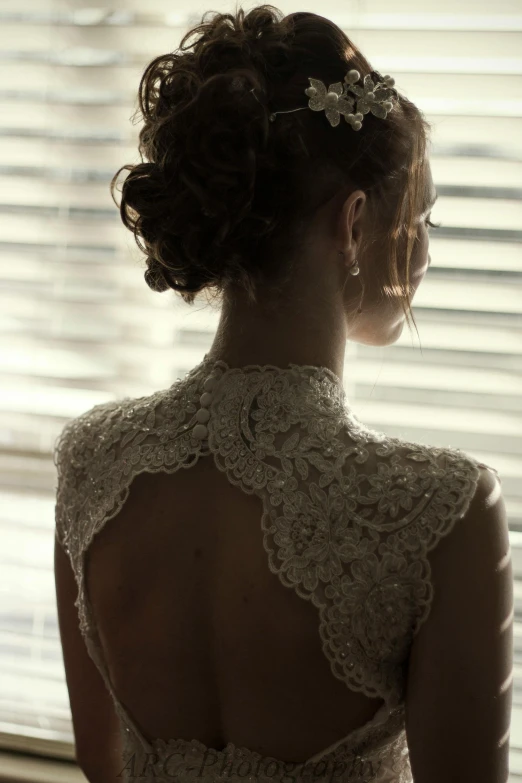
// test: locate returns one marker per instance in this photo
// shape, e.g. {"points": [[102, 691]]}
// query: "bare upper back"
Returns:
{"points": [[201, 639]]}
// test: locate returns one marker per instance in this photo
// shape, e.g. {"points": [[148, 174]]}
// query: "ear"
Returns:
{"points": [[351, 224]]}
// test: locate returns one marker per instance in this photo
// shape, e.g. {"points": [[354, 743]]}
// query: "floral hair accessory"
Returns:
{"points": [[372, 96]]}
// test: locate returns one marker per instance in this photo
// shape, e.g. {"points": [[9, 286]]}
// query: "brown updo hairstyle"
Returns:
{"points": [[225, 196]]}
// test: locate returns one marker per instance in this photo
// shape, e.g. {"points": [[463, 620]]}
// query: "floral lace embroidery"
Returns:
{"points": [[349, 514]]}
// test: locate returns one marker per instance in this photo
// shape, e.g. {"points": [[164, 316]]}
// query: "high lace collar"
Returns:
{"points": [[208, 363]]}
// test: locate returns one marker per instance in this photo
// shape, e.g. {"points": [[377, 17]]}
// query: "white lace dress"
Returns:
{"points": [[349, 516]]}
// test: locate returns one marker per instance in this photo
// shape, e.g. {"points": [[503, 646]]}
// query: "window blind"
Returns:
{"points": [[78, 325]]}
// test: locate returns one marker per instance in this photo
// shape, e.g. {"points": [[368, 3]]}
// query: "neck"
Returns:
{"points": [[307, 329]]}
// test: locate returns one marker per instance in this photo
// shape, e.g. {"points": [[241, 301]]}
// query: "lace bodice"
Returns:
{"points": [[349, 517]]}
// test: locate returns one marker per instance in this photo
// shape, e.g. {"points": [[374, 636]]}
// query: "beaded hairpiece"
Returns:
{"points": [[376, 96], [372, 96]]}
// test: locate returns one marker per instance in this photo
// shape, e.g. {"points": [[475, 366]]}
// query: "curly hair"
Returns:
{"points": [[225, 196]]}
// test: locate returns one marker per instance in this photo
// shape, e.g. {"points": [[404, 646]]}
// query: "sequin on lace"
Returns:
{"points": [[349, 516]]}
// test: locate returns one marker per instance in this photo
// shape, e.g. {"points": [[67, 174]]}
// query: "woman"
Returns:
{"points": [[281, 593]]}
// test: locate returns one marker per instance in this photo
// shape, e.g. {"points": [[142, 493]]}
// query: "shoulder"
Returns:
{"points": [[420, 491], [98, 453], [460, 480], [70, 449], [463, 483], [462, 539], [482, 531], [85, 420], [84, 454], [100, 427]]}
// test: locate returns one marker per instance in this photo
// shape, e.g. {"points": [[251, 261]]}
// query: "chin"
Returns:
{"points": [[396, 331]]}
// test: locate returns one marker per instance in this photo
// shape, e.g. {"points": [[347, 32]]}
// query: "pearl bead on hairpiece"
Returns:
{"points": [[372, 96]]}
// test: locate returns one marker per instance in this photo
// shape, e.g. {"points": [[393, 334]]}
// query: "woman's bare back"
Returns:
{"points": [[201, 639]]}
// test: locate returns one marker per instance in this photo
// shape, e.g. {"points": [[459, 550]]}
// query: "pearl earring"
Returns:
{"points": [[354, 269]]}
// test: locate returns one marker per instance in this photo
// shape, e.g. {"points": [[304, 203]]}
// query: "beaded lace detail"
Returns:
{"points": [[349, 516]]}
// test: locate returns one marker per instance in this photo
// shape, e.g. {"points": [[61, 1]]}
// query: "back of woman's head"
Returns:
{"points": [[225, 196]]}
